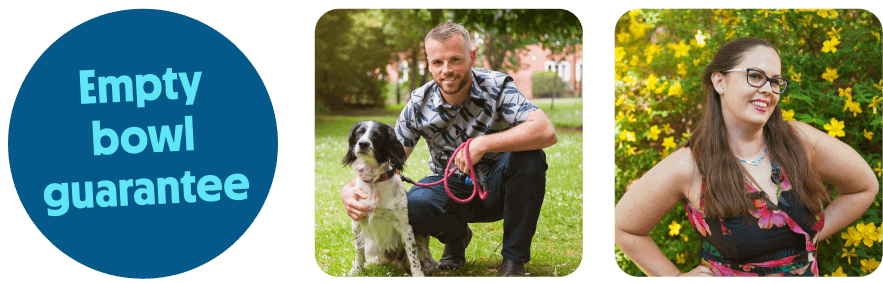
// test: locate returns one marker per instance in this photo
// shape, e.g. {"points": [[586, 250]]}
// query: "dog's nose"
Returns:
{"points": [[364, 144]]}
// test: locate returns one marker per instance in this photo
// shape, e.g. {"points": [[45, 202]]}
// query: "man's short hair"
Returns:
{"points": [[443, 31]]}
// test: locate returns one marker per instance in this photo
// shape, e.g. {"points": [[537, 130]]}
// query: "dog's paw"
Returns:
{"points": [[429, 266], [354, 271]]}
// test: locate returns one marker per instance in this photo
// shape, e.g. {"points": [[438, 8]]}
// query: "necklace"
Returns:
{"points": [[756, 161]]}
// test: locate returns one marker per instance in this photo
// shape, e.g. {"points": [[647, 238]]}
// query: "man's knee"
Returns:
{"points": [[423, 203], [531, 162]]}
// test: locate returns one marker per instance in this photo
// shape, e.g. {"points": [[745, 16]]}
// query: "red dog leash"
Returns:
{"points": [[476, 190]]}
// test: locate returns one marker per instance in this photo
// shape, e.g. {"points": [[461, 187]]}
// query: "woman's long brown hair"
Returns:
{"points": [[725, 194]]}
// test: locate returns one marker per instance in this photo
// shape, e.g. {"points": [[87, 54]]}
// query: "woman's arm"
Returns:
{"points": [[842, 167], [645, 203]]}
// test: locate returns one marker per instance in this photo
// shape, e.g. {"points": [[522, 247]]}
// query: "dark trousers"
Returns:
{"points": [[516, 185]]}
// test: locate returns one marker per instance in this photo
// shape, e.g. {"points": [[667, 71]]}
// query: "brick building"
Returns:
{"points": [[533, 59]]}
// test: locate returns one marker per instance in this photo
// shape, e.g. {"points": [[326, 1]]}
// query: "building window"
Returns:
{"points": [[579, 70], [403, 71], [550, 66], [564, 71]]}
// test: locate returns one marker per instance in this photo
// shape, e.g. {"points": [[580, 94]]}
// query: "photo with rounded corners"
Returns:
{"points": [[784, 102], [370, 72]]}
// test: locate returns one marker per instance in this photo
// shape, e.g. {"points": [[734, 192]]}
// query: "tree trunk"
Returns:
{"points": [[554, 89]]}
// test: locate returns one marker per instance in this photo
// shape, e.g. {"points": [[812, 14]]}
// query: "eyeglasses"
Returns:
{"points": [[756, 78]]}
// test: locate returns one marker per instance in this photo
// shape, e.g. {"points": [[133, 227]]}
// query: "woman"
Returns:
{"points": [[750, 181]]}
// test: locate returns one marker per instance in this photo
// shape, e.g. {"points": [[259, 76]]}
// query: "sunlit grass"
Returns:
{"points": [[557, 246]]}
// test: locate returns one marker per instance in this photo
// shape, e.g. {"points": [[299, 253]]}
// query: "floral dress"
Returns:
{"points": [[771, 240]]}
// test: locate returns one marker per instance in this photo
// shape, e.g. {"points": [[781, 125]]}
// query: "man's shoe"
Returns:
{"points": [[455, 253], [511, 268]]}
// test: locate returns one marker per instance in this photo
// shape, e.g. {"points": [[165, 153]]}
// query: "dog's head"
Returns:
{"points": [[375, 141]]}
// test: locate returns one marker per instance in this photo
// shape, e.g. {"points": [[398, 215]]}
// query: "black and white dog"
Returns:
{"points": [[384, 235]]}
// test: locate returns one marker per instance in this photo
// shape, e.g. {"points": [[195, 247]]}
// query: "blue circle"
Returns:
{"points": [[227, 141]]}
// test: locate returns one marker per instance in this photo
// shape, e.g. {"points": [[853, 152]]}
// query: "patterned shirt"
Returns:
{"points": [[494, 105]]}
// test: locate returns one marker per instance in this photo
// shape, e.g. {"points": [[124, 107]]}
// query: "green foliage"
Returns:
{"points": [[546, 83], [660, 55], [351, 56]]}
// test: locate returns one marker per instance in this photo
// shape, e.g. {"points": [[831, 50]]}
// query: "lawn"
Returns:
{"points": [[557, 246]]}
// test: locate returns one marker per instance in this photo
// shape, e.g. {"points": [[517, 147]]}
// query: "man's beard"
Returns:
{"points": [[457, 88]]}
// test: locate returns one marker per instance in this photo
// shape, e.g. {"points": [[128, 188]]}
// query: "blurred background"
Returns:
{"points": [[832, 58]]}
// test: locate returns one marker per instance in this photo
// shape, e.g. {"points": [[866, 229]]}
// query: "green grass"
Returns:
{"points": [[557, 246]]}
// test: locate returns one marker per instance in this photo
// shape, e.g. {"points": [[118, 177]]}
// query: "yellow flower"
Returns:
{"points": [[878, 85], [680, 49], [878, 170], [788, 115], [682, 69], [669, 142], [869, 265], [796, 77], [873, 104], [852, 236], [648, 110], [620, 100], [634, 13], [697, 61], [681, 259], [868, 233], [619, 116], [619, 52], [841, 92], [830, 45], [686, 239], [635, 60], [675, 90], [637, 29], [631, 118], [700, 38], [849, 255], [855, 107], [830, 74], [626, 136], [876, 34], [654, 133], [651, 51], [839, 272], [666, 128], [630, 150], [824, 13], [623, 37], [629, 79], [651, 82], [786, 99], [868, 135], [674, 228], [661, 88], [835, 128], [879, 233], [834, 33], [730, 34]]}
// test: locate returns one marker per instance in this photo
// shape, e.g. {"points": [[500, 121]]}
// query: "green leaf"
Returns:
{"points": [[861, 253]]}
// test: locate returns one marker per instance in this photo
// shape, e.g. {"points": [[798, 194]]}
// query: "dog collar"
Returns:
{"points": [[385, 176]]}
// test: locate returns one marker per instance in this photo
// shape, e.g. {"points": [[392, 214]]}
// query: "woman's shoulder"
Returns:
{"points": [[680, 165], [804, 131]]}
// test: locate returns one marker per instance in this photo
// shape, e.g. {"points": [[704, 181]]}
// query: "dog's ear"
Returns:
{"points": [[350, 156], [396, 150]]}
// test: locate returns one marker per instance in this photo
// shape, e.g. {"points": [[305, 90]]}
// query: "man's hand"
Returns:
{"points": [[475, 154], [698, 271], [350, 196]]}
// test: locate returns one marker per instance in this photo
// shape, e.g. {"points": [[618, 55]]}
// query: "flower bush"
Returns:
{"points": [[833, 59]]}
